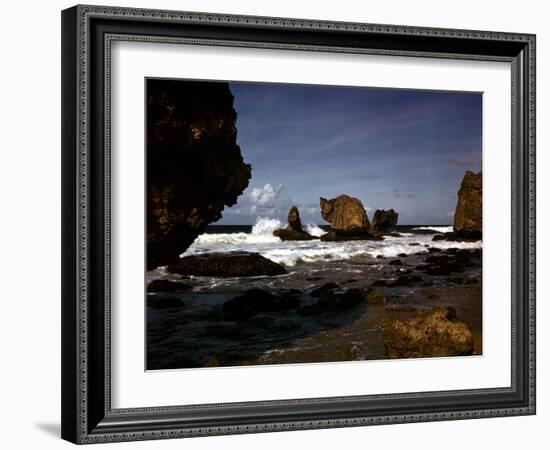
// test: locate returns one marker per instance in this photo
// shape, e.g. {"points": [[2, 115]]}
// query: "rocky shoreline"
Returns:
{"points": [[320, 319]]}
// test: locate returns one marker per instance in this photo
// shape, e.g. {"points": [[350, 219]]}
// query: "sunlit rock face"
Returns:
{"points": [[347, 216], [194, 165]]}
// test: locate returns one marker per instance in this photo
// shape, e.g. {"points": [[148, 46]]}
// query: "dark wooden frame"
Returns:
{"points": [[87, 32]]}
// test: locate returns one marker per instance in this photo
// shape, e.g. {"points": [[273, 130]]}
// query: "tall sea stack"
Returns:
{"points": [[194, 165], [468, 214]]}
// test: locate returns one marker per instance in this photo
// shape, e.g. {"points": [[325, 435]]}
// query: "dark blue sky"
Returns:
{"points": [[392, 148]]}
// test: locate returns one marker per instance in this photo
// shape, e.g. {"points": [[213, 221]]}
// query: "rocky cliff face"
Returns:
{"points": [[469, 206], [194, 165], [383, 220], [347, 217]]}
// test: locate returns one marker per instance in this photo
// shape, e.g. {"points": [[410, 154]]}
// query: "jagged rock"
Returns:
{"points": [[347, 217], [431, 334], [293, 231], [194, 165], [232, 264], [468, 220], [382, 220]]}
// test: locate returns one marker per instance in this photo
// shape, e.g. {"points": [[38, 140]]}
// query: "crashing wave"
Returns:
{"points": [[314, 230]]}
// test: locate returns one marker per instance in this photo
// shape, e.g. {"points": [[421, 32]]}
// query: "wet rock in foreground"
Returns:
{"points": [[234, 264], [433, 333]]}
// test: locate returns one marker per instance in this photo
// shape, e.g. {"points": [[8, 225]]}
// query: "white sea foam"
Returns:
{"points": [[448, 229], [291, 253]]}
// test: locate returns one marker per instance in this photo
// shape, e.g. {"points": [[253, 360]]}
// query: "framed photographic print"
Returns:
{"points": [[281, 224]]}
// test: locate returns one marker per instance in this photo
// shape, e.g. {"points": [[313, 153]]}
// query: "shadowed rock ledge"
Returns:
{"points": [[194, 165]]}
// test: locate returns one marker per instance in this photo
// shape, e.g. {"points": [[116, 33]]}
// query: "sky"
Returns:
{"points": [[391, 148]]}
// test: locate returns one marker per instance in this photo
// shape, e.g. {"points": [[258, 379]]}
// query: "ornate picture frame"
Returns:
{"points": [[87, 35]]}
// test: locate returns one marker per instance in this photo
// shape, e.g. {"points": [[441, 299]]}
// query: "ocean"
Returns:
{"points": [[197, 334]]}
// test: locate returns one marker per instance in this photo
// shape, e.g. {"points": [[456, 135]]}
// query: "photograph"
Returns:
{"points": [[303, 223]]}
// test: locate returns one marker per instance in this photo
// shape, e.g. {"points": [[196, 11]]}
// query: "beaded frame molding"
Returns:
{"points": [[87, 35]]}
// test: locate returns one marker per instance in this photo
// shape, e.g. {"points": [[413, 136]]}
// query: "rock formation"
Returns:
{"points": [[232, 264], [194, 165], [430, 334], [468, 212], [293, 231], [382, 220], [347, 218]]}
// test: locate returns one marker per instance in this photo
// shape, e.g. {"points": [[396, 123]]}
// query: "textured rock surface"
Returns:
{"points": [[194, 165], [293, 231], [235, 264], [431, 334], [347, 217], [468, 212], [382, 219]]}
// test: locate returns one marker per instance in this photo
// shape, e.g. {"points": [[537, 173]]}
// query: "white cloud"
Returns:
{"points": [[265, 196]]}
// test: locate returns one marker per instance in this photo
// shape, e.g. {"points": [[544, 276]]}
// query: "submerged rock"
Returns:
{"points": [[325, 287], [232, 264], [293, 231], [431, 334], [255, 301], [194, 165], [382, 220], [406, 280], [164, 301], [347, 217], [167, 286], [332, 300]]}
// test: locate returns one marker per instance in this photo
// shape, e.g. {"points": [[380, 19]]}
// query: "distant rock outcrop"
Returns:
{"points": [[468, 212], [347, 217], [382, 220], [232, 264], [293, 231], [194, 165]]}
